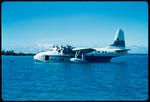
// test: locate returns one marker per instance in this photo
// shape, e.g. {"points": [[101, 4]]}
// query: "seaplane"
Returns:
{"points": [[59, 53]]}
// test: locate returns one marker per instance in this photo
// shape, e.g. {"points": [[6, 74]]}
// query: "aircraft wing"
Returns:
{"points": [[122, 50], [83, 50]]}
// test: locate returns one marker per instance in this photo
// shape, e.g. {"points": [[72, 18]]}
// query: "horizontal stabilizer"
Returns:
{"points": [[124, 50]]}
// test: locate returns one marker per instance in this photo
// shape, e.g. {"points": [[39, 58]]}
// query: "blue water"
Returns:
{"points": [[124, 78]]}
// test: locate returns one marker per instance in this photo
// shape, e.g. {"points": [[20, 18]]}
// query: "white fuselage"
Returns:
{"points": [[99, 55]]}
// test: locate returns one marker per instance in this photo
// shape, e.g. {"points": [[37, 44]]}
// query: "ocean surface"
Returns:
{"points": [[124, 78]]}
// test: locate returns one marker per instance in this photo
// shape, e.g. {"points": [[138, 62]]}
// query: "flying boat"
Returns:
{"points": [[59, 53]]}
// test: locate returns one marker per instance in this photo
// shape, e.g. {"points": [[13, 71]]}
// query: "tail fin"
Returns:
{"points": [[119, 40]]}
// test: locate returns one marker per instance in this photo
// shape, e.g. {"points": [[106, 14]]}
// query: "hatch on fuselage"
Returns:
{"points": [[46, 58]]}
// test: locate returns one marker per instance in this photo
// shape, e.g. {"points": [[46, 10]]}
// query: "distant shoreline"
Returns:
{"points": [[12, 53], [20, 55]]}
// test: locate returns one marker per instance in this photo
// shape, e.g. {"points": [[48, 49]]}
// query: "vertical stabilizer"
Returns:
{"points": [[119, 40]]}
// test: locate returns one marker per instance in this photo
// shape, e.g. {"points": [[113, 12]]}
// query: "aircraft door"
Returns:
{"points": [[46, 57]]}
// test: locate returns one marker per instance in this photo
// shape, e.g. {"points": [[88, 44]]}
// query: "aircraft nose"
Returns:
{"points": [[36, 57]]}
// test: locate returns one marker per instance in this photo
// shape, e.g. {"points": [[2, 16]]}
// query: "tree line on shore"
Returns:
{"points": [[11, 52]]}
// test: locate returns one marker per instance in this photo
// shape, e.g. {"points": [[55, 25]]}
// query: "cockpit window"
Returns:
{"points": [[50, 49]]}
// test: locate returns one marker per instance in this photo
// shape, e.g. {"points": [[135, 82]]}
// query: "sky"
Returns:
{"points": [[33, 26]]}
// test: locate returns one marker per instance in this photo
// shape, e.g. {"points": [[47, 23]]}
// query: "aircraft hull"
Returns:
{"points": [[67, 58]]}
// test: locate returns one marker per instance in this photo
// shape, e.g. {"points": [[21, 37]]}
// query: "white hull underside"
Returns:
{"points": [[49, 58]]}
